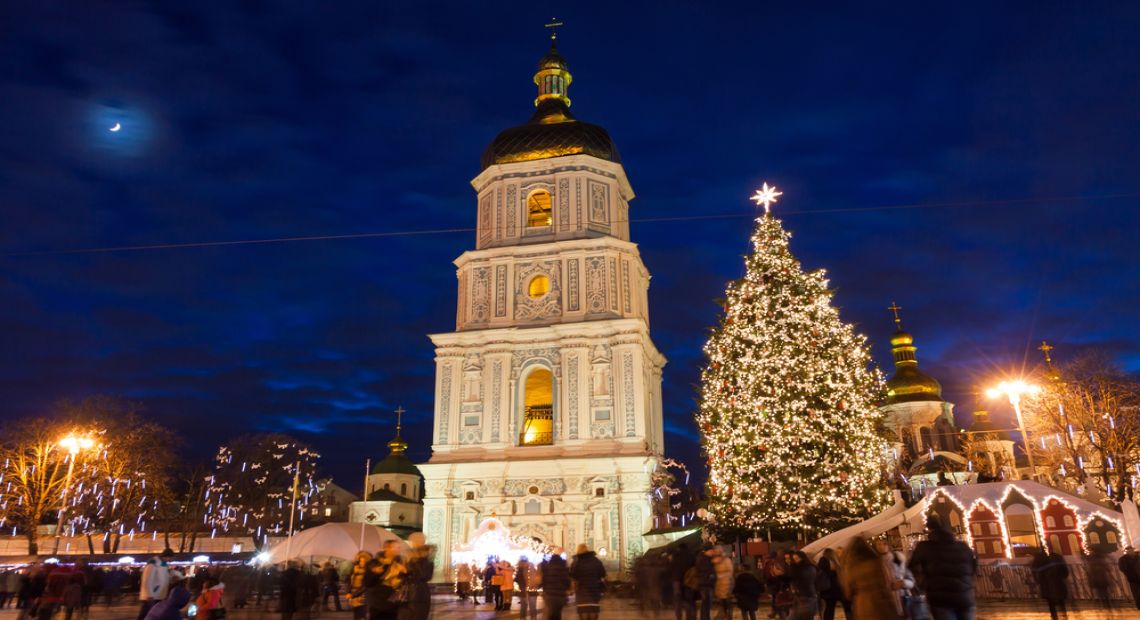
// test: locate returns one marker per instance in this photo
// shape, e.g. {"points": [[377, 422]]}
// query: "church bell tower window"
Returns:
{"points": [[538, 409], [538, 210], [538, 287]]}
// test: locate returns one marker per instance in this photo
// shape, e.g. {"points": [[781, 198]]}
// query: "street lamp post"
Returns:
{"points": [[1013, 391], [73, 445]]}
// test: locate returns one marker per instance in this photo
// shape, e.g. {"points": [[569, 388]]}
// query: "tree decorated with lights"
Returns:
{"points": [[258, 484], [788, 409]]}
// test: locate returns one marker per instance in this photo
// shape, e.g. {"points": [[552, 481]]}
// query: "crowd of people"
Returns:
{"points": [[867, 579], [552, 580]]}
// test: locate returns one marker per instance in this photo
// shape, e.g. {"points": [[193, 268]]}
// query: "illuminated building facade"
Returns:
{"points": [[548, 393]]}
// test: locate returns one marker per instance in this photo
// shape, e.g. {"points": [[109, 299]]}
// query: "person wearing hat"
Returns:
{"points": [[170, 608], [155, 582]]}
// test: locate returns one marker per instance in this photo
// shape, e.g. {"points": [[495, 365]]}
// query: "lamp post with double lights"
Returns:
{"points": [[1013, 390], [73, 444]]}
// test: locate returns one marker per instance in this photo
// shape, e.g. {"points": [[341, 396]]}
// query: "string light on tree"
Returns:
{"points": [[788, 399]]}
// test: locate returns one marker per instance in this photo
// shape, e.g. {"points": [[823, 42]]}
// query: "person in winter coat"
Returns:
{"points": [[491, 584], [831, 593], [209, 602], [330, 586], [722, 585], [155, 582], [802, 575], [864, 582], [420, 570], [385, 574], [170, 608], [1052, 576], [463, 581], [945, 567], [1129, 565], [1100, 577], [506, 574], [900, 578], [528, 580], [747, 590], [774, 578], [355, 588], [684, 598], [555, 585], [706, 580], [589, 575]]}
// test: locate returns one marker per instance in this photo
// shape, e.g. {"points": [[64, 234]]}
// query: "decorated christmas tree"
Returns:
{"points": [[788, 410]]}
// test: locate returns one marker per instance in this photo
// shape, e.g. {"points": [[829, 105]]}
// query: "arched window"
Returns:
{"points": [[538, 209], [927, 441], [538, 409], [404, 489], [386, 487], [1022, 530], [538, 287]]}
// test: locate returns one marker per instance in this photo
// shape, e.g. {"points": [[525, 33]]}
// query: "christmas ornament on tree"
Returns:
{"points": [[794, 445]]}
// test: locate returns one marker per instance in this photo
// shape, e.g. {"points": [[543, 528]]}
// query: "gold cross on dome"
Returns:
{"points": [[766, 195], [894, 307], [553, 25], [400, 411], [1046, 348]]}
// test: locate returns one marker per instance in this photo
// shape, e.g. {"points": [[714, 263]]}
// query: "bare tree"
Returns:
{"points": [[251, 489], [126, 481], [33, 476], [1086, 425]]}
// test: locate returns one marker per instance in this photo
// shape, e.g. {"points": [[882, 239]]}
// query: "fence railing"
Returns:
{"points": [[1014, 581]]}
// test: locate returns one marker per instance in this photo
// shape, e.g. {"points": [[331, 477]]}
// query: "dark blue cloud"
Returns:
{"points": [[252, 120]]}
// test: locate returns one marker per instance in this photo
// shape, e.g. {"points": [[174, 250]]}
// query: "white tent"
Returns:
{"points": [[333, 540]]}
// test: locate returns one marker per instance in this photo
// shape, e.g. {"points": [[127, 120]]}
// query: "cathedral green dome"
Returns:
{"points": [[551, 131], [396, 464]]}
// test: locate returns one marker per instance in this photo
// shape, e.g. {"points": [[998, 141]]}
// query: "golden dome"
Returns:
{"points": [[909, 384], [551, 131]]}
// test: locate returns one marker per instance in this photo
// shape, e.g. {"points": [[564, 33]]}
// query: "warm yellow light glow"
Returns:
{"points": [[1012, 390], [74, 444], [538, 408], [538, 210], [539, 286]]}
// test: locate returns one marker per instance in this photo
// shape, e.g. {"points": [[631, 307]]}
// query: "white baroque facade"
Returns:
{"points": [[548, 393]]}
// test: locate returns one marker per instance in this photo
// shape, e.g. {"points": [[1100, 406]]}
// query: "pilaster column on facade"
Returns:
{"points": [[497, 398], [629, 388], [574, 412]]}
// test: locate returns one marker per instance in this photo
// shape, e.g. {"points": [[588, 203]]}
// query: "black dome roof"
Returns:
{"points": [[551, 132]]}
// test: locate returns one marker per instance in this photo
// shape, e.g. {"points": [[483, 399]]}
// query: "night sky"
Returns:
{"points": [[977, 163]]}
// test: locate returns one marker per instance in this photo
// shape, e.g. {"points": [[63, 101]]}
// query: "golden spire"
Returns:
{"points": [[553, 25], [398, 445], [894, 308], [553, 78], [1050, 371]]}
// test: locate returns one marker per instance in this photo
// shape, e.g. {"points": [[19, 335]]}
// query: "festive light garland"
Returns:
{"points": [[788, 405]]}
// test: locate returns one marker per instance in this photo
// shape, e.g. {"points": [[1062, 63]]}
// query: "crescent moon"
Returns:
{"points": [[117, 127]]}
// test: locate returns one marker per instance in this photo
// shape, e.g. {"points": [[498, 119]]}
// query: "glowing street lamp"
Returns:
{"points": [[1013, 390], [73, 444]]}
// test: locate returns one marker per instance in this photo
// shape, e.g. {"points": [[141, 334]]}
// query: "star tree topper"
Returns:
{"points": [[766, 195]]}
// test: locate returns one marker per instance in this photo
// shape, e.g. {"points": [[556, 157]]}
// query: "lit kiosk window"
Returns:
{"points": [[538, 409], [538, 213]]}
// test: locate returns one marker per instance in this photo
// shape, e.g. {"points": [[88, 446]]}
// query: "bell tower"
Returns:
{"points": [[548, 392]]}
